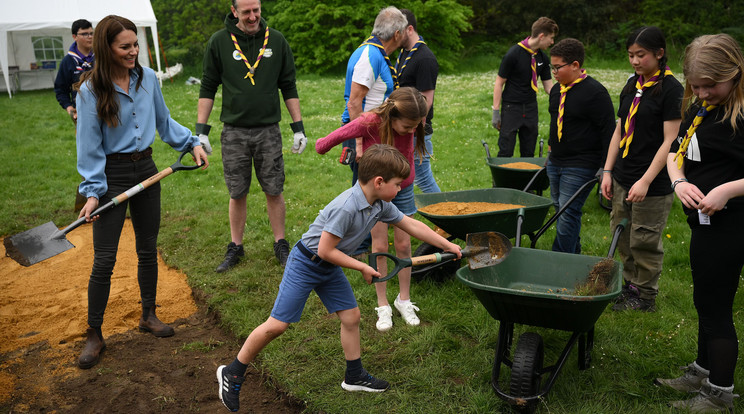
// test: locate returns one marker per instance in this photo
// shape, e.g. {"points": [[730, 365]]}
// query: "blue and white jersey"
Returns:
{"points": [[367, 66]]}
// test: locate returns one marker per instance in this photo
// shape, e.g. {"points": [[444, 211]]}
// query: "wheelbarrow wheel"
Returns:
{"points": [[438, 274], [526, 367]]}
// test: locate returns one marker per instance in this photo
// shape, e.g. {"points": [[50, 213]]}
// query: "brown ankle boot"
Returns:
{"points": [[152, 324], [92, 351]]}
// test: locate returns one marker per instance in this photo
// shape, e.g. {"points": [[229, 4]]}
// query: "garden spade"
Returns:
{"points": [[47, 240], [482, 249]]}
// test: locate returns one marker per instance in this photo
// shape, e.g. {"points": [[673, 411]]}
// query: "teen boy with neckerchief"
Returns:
{"points": [[582, 120], [79, 59], [252, 62], [515, 89], [417, 66]]}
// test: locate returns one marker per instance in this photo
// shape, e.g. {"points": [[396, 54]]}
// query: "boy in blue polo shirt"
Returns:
{"points": [[316, 261]]}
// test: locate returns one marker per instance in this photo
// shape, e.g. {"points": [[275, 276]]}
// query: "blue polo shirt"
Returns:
{"points": [[350, 217]]}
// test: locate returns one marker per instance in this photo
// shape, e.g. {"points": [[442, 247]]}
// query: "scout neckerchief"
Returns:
{"points": [[374, 41], [85, 62], [526, 46], [251, 69], [564, 90], [682, 151], [641, 86], [398, 68]]}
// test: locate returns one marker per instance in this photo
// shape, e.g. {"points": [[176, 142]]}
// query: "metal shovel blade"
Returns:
{"points": [[486, 249], [37, 244]]}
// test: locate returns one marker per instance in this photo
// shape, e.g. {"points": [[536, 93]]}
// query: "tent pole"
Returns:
{"points": [[156, 42]]}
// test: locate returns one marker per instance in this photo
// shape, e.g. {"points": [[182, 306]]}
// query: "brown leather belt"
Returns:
{"points": [[131, 156]]}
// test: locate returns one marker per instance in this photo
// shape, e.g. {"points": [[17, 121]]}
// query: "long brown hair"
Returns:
{"points": [[403, 103], [719, 59], [100, 78]]}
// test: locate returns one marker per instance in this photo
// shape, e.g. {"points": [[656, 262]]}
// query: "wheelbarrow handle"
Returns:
{"points": [[488, 151], [616, 236], [131, 192]]}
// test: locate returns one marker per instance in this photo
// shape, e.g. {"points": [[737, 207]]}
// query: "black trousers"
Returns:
{"points": [[518, 119], [716, 260], [144, 210]]}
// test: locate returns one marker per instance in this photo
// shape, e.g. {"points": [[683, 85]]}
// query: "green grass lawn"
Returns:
{"points": [[444, 365]]}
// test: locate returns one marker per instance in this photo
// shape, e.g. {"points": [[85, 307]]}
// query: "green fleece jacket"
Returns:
{"points": [[245, 104]]}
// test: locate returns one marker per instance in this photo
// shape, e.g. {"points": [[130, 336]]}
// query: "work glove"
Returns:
{"points": [[300, 140], [496, 119], [202, 131]]}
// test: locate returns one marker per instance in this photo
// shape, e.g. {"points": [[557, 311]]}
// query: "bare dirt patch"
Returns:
{"points": [[43, 311]]}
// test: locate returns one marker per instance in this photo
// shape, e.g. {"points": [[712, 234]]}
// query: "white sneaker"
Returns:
{"points": [[407, 311], [384, 318]]}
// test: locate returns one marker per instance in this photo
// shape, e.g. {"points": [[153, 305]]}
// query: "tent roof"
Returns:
{"points": [[44, 14], [18, 15]]}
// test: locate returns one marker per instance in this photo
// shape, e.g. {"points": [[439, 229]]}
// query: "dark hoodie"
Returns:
{"points": [[245, 104]]}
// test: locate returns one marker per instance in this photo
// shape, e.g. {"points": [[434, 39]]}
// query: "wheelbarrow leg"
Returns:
{"points": [[586, 344], [506, 331]]}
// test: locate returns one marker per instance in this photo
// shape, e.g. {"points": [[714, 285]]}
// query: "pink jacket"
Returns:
{"points": [[367, 127]]}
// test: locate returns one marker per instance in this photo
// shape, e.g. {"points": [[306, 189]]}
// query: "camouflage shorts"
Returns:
{"points": [[243, 147]]}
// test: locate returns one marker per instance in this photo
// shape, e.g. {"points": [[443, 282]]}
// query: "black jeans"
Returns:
{"points": [[144, 210], [518, 119], [716, 261]]}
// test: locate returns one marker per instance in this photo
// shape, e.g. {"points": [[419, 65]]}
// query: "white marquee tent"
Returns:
{"points": [[23, 22]]}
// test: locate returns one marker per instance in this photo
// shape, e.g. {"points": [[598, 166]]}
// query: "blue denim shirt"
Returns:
{"points": [[141, 112]]}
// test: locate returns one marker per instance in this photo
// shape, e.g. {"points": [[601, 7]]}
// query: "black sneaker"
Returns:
{"points": [[229, 390], [628, 290], [636, 303], [281, 251], [232, 257], [365, 382]]}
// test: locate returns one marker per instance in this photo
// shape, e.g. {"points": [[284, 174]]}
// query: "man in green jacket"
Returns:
{"points": [[252, 62]]}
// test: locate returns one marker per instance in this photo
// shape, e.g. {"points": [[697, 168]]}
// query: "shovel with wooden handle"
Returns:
{"points": [[482, 249], [47, 240]]}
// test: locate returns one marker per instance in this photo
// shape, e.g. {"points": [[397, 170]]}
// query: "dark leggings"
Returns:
{"points": [[716, 260], [144, 209]]}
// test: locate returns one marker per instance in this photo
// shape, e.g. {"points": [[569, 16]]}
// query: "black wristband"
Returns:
{"points": [[297, 127], [202, 129]]}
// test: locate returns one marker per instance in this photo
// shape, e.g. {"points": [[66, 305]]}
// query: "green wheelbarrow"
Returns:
{"points": [[537, 287]]}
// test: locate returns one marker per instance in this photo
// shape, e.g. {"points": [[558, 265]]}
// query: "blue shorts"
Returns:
{"points": [[301, 276], [405, 202]]}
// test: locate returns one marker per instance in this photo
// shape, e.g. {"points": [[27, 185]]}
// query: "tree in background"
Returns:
{"points": [[326, 33], [185, 26], [323, 34]]}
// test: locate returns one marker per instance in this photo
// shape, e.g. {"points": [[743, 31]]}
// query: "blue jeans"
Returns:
{"points": [[424, 178], [564, 183]]}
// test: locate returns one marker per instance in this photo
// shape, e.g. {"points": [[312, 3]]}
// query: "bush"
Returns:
{"points": [[324, 34]]}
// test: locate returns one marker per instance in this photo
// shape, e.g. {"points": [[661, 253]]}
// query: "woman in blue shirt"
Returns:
{"points": [[120, 106]]}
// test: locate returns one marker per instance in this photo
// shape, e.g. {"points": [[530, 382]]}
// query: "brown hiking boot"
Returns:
{"points": [[92, 351], [153, 325]]}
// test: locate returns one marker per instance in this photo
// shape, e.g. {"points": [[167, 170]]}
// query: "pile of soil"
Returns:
{"points": [[521, 165], [455, 208], [598, 282], [43, 312]]}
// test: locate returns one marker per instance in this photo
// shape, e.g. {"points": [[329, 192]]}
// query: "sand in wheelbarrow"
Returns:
{"points": [[598, 282], [456, 208], [521, 165]]}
